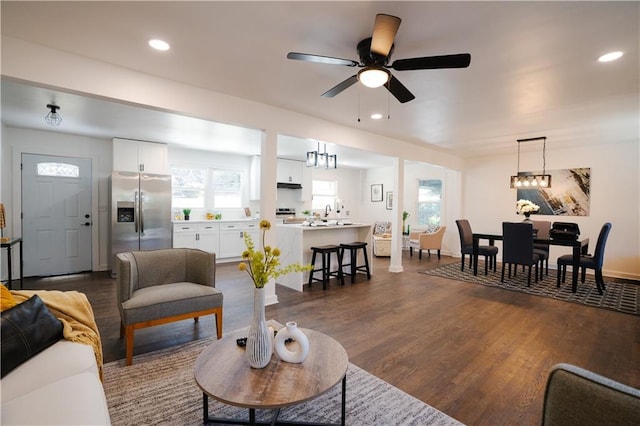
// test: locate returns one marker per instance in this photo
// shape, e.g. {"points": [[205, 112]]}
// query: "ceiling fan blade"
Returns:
{"points": [[384, 32], [461, 60], [341, 86], [397, 89], [321, 59]]}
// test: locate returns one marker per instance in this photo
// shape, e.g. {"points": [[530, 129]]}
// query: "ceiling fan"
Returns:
{"points": [[374, 53]]}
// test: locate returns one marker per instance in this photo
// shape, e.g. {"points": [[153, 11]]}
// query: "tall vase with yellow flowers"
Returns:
{"points": [[262, 265]]}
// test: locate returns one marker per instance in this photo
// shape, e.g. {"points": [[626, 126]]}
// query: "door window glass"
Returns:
{"points": [[58, 170]]}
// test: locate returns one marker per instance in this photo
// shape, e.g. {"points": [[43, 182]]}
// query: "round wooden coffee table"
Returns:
{"points": [[223, 373]]}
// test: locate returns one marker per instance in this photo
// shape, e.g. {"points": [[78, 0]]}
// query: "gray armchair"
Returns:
{"points": [[575, 396], [161, 286]]}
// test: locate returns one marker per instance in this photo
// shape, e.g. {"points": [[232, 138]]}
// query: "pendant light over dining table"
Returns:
{"points": [[322, 159], [532, 181]]}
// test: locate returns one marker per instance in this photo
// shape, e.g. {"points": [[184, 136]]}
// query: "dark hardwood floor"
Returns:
{"points": [[479, 354]]}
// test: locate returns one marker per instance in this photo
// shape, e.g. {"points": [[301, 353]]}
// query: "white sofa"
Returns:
{"points": [[59, 386]]}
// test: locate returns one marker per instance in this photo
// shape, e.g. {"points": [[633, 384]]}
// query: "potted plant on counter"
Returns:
{"points": [[186, 212]]}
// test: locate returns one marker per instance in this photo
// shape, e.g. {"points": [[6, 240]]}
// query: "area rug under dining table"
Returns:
{"points": [[619, 296], [160, 389]]}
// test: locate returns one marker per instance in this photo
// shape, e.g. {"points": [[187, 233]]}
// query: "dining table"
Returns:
{"points": [[580, 247]]}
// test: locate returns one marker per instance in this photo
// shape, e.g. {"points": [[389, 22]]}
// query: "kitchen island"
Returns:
{"points": [[295, 242]]}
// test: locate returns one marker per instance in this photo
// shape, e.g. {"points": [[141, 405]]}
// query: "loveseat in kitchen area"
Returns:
{"points": [[51, 360]]}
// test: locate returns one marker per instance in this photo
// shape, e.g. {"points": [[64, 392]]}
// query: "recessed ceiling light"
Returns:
{"points": [[376, 116], [611, 56], [159, 44]]}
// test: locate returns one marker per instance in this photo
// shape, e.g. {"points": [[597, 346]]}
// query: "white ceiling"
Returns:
{"points": [[533, 72]]}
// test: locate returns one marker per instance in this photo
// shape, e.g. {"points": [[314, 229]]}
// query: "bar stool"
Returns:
{"points": [[353, 256], [325, 252]]}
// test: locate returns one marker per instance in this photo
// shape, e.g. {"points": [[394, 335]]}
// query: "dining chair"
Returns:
{"points": [[490, 253], [517, 248], [542, 230], [588, 261]]}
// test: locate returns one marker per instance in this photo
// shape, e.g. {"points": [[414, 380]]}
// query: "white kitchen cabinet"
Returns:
{"points": [[289, 171], [232, 237], [307, 182], [254, 178], [203, 236], [138, 156]]}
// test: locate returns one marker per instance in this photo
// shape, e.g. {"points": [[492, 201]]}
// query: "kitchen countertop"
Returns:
{"points": [[322, 227], [216, 220]]}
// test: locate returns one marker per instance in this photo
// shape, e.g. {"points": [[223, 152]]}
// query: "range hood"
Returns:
{"points": [[288, 185]]}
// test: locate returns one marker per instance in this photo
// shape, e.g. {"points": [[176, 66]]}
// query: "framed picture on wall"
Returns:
{"points": [[389, 200], [376, 192]]}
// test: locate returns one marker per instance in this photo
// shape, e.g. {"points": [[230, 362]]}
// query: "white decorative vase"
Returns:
{"points": [[259, 341], [293, 332]]}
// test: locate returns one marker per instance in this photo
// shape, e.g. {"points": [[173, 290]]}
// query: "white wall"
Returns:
{"points": [[19, 141], [376, 211], [615, 198]]}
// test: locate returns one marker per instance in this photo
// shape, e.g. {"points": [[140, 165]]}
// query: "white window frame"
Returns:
{"points": [[323, 192]]}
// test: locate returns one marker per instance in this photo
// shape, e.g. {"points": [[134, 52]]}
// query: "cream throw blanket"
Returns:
{"points": [[73, 309]]}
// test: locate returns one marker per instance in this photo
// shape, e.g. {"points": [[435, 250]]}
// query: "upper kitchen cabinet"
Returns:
{"points": [[138, 156], [290, 171]]}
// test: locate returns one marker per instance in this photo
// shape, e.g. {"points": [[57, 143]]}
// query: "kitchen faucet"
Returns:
{"points": [[327, 209]]}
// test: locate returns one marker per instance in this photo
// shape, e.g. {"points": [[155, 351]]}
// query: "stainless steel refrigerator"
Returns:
{"points": [[140, 212]]}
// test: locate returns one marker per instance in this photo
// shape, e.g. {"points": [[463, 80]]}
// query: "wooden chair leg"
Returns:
{"points": [[129, 343], [219, 324]]}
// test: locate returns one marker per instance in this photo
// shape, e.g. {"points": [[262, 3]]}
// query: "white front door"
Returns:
{"points": [[56, 214]]}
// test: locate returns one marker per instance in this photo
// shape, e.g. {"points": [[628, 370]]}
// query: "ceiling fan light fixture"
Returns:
{"points": [[53, 118], [373, 77]]}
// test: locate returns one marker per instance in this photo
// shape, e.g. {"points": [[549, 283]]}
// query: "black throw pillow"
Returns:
{"points": [[27, 329]]}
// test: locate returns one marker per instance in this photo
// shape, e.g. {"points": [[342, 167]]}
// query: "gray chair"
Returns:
{"points": [[161, 286], [490, 253], [594, 262], [577, 397], [517, 248]]}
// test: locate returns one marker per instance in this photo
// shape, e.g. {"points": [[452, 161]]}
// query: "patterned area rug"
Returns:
{"points": [[619, 296], [159, 389]]}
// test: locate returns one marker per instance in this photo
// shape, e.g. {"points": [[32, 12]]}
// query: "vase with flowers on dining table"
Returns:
{"points": [[526, 208], [262, 265]]}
